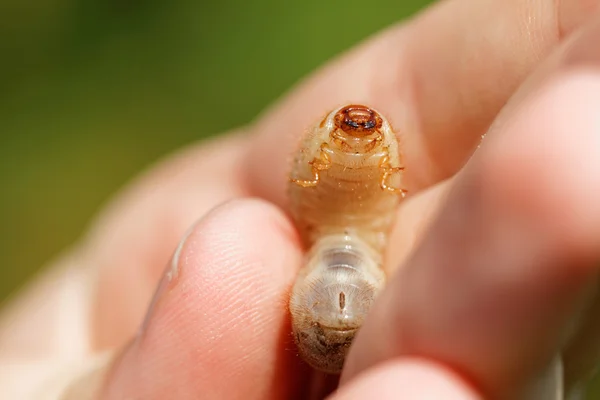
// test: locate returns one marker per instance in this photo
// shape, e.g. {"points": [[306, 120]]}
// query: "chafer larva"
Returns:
{"points": [[345, 185]]}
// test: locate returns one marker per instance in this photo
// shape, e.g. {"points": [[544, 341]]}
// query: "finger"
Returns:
{"points": [[495, 285], [441, 79], [218, 327], [408, 379]]}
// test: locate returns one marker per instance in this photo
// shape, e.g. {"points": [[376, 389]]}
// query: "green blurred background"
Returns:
{"points": [[93, 91]]}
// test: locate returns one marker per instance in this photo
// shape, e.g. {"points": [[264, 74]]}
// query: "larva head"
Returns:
{"points": [[327, 311], [357, 128]]}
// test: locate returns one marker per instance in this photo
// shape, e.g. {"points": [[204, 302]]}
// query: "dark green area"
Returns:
{"points": [[93, 91]]}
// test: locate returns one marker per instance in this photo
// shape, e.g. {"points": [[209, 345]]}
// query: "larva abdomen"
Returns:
{"points": [[331, 298], [344, 189]]}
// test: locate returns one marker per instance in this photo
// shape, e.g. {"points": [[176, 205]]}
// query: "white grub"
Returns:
{"points": [[345, 185]]}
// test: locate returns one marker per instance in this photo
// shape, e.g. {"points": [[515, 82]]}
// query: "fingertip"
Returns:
{"points": [[219, 317], [407, 379]]}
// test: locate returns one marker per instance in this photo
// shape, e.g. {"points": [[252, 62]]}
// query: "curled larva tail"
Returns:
{"points": [[332, 297]]}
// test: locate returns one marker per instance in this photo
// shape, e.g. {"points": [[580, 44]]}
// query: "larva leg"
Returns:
{"points": [[318, 164], [388, 171]]}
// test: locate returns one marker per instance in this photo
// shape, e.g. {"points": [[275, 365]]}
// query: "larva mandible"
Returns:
{"points": [[344, 189]]}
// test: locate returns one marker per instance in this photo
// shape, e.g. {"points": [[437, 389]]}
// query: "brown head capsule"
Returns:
{"points": [[357, 120], [357, 129], [345, 186]]}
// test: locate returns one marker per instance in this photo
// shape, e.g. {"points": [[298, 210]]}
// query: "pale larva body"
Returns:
{"points": [[344, 190]]}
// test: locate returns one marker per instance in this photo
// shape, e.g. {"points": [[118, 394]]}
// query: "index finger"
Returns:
{"points": [[440, 79]]}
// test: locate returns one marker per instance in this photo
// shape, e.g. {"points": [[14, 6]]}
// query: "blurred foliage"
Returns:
{"points": [[93, 91]]}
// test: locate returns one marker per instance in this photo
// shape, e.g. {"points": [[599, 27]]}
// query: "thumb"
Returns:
{"points": [[216, 327]]}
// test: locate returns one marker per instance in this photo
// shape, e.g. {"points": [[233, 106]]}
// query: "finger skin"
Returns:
{"points": [[440, 79], [219, 327], [494, 287], [407, 379]]}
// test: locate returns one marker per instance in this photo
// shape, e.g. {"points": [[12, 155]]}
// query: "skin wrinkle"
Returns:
{"points": [[533, 23]]}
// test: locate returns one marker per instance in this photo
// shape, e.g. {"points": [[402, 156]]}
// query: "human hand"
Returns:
{"points": [[490, 262]]}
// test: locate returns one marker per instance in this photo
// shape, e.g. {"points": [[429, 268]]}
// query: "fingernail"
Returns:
{"points": [[169, 279]]}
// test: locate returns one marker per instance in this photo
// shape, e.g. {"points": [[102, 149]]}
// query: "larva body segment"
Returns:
{"points": [[344, 190]]}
